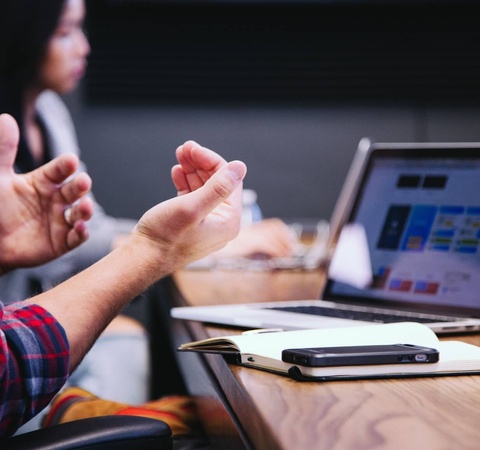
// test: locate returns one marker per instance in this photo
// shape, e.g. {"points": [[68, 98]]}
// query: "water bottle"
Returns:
{"points": [[251, 212]]}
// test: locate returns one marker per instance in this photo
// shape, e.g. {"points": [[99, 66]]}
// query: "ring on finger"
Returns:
{"points": [[67, 214]]}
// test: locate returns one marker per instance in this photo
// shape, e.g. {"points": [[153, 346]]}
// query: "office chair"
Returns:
{"points": [[96, 433]]}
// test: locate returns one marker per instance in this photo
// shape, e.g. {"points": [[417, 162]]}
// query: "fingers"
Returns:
{"points": [[197, 164], [179, 180], [79, 212], [77, 235], [81, 209], [76, 216], [220, 187], [59, 169], [9, 137], [76, 188], [192, 156]]}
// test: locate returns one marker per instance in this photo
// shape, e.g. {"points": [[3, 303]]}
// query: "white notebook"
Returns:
{"points": [[263, 350]]}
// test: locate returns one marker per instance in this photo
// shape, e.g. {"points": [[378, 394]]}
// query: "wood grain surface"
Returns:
{"points": [[275, 412]]}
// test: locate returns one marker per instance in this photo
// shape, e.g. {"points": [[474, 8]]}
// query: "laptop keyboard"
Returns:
{"points": [[368, 316]]}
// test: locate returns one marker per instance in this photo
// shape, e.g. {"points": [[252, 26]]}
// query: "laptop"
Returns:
{"points": [[405, 240]]}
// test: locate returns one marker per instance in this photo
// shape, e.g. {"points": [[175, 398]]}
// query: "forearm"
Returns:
{"points": [[86, 303]]}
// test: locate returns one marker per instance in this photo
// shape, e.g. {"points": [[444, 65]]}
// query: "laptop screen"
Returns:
{"points": [[420, 210]]}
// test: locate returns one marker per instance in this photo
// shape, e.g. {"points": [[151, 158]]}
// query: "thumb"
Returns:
{"points": [[9, 137], [220, 187]]}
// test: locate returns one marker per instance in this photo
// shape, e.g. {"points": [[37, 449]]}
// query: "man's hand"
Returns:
{"points": [[205, 215], [42, 215]]}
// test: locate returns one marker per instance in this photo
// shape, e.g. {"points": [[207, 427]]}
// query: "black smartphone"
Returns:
{"points": [[360, 355]]}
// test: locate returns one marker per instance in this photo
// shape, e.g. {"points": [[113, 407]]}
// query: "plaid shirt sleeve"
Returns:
{"points": [[34, 363]]}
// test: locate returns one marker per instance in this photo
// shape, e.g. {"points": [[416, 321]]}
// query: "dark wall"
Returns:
{"points": [[291, 92]]}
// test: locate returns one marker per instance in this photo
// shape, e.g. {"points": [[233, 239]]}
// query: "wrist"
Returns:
{"points": [[142, 260]]}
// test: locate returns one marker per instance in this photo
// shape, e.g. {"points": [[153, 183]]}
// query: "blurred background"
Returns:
{"points": [[289, 87]]}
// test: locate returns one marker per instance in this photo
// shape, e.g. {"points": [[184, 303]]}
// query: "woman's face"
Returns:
{"points": [[66, 57]]}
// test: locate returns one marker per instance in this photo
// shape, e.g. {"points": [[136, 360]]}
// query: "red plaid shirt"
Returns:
{"points": [[34, 363]]}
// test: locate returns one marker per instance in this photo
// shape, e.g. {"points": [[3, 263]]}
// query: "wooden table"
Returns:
{"points": [[247, 408]]}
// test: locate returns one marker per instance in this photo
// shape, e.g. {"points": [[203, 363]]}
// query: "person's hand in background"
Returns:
{"points": [[268, 238]]}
